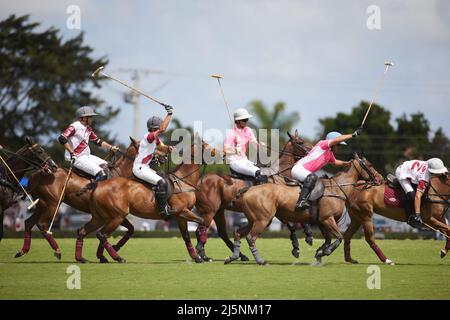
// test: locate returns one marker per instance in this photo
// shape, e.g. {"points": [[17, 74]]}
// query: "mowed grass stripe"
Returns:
{"points": [[161, 269]]}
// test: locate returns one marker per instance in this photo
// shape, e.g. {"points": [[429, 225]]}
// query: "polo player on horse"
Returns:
{"points": [[235, 147], [415, 175], [320, 155], [147, 147]]}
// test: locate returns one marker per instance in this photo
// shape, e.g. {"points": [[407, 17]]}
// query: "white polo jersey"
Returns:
{"points": [[416, 171], [78, 137], [146, 150]]}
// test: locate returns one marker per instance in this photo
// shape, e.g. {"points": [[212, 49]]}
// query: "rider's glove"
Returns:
{"points": [[168, 108], [357, 132]]}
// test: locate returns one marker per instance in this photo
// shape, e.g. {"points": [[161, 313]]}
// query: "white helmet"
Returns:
{"points": [[241, 114], [435, 165]]}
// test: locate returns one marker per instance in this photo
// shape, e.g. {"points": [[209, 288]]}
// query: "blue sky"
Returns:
{"points": [[317, 56]]}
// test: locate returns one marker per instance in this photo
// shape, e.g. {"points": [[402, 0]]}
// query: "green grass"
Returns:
{"points": [[160, 269]]}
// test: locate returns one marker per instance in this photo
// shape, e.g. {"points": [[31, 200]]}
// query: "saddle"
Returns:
{"points": [[82, 174], [394, 196], [240, 176], [392, 181], [152, 187], [316, 193]]}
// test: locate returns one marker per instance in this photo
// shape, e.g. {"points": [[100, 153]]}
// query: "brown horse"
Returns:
{"points": [[48, 189], [365, 202], [30, 157], [217, 192], [115, 198], [262, 203]]}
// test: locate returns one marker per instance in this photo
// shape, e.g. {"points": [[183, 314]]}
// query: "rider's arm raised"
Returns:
{"points": [[340, 139]]}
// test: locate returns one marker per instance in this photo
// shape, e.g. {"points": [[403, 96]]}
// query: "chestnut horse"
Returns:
{"points": [[48, 189], [115, 198], [263, 202], [30, 157], [365, 202], [217, 192]]}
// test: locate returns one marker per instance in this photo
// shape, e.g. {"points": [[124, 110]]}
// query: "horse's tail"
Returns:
{"points": [[228, 179], [89, 187]]}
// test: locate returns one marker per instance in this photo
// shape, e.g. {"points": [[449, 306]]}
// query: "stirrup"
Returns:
{"points": [[303, 204]]}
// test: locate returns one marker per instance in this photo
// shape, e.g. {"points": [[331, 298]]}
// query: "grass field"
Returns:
{"points": [[160, 269]]}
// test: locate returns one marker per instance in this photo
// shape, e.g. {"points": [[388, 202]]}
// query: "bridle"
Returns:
{"points": [[31, 163], [442, 200]]}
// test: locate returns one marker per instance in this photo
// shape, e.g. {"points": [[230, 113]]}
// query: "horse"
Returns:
{"points": [[366, 202], [30, 157], [217, 193], [115, 198], [262, 203], [48, 189]]}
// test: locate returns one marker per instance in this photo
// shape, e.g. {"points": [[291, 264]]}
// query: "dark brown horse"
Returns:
{"points": [[262, 203], [366, 202], [115, 198], [48, 189], [217, 192], [30, 157]]}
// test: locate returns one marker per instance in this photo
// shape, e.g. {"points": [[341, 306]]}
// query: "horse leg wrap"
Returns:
{"points": [[26, 242], [79, 250], [104, 241], [251, 243], [191, 250], [329, 250], [378, 252], [202, 234], [447, 244], [294, 240], [51, 241]]}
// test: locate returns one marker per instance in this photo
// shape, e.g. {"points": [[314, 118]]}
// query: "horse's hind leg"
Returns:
{"points": [[95, 223], [201, 234], [294, 240], [182, 225], [354, 226], [370, 239], [103, 234], [257, 229], [29, 224], [130, 230], [331, 225], [238, 234]]}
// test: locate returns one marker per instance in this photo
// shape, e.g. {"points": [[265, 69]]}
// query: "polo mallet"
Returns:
{"points": [[430, 227], [33, 202], [218, 77], [100, 72], [60, 198], [380, 84]]}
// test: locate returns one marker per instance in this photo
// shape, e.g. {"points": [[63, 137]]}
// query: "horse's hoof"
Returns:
{"points": [[198, 259], [121, 260], [319, 254], [103, 259], [230, 259], [19, 254], [82, 260], [261, 262], [116, 247], [317, 263], [57, 255], [352, 261], [206, 258], [309, 240], [244, 257], [295, 253], [389, 262], [443, 253]]}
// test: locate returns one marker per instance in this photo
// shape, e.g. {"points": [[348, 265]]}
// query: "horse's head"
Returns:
{"points": [[297, 146], [441, 184], [133, 148], [201, 147], [365, 169], [35, 155]]}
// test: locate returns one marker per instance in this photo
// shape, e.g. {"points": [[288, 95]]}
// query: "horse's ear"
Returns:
{"points": [[29, 140], [296, 133], [289, 135], [132, 140]]}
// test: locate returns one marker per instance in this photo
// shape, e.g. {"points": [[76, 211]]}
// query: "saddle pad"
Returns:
{"points": [[393, 197]]}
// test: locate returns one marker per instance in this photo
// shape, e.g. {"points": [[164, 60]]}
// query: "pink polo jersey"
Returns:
{"points": [[239, 139], [318, 157]]}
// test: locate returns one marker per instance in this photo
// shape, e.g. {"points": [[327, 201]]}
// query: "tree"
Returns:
{"points": [[43, 80], [277, 118], [375, 142]]}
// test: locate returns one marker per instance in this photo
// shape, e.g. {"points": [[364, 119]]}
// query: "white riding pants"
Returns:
{"points": [[405, 183], [244, 166], [89, 163], [146, 173], [300, 173]]}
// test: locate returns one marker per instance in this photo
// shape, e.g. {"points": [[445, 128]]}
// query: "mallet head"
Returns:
{"points": [[217, 76], [96, 72], [389, 63], [31, 206]]}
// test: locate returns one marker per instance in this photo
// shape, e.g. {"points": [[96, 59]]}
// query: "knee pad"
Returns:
{"points": [[311, 180]]}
